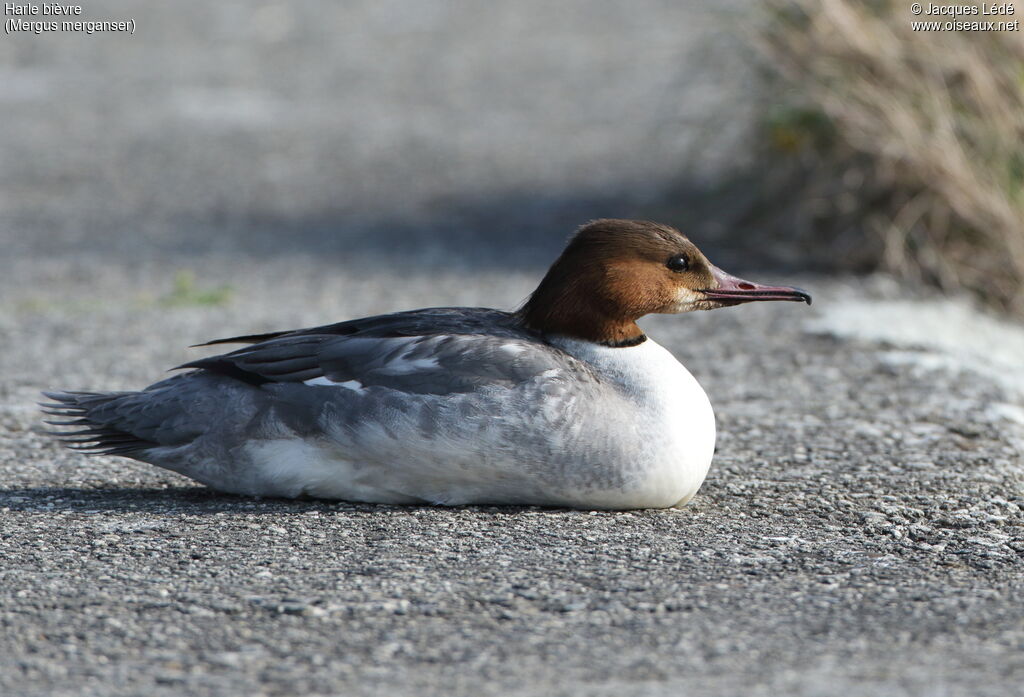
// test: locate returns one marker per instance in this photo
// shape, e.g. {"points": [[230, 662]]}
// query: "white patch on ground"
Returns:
{"points": [[1008, 412], [226, 107], [24, 85], [946, 335]]}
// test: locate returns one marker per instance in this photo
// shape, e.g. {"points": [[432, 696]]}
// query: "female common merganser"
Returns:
{"points": [[564, 402]]}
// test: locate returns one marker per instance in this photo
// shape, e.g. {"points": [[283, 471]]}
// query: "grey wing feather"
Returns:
{"points": [[460, 359]]}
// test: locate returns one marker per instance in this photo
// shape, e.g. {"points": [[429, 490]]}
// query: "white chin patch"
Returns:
{"points": [[687, 300]]}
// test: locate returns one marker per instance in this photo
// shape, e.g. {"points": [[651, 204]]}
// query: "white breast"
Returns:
{"points": [[675, 419]]}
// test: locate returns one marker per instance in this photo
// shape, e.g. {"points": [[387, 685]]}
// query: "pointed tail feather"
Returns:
{"points": [[87, 434]]}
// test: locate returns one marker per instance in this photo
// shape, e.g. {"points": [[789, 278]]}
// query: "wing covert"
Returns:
{"points": [[396, 352]]}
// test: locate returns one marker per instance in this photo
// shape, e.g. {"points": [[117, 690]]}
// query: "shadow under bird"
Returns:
{"points": [[564, 402]]}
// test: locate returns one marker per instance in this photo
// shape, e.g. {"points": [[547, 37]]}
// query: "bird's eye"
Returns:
{"points": [[678, 263]]}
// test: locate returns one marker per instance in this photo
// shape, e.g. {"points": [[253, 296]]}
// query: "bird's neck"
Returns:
{"points": [[573, 308]]}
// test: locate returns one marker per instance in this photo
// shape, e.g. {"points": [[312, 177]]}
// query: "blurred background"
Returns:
{"points": [[242, 166], [436, 134], [430, 131]]}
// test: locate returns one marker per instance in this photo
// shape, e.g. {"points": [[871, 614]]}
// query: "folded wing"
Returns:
{"points": [[435, 351]]}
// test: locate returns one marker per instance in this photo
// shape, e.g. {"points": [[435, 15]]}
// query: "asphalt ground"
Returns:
{"points": [[250, 167]]}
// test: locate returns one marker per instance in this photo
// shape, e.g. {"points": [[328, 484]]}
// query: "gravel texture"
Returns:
{"points": [[861, 531]]}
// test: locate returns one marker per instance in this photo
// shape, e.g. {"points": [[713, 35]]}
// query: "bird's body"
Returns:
{"points": [[447, 405]]}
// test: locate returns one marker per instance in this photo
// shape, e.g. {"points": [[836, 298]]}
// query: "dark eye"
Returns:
{"points": [[678, 263]]}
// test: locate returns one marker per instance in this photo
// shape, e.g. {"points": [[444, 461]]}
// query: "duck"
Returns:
{"points": [[563, 402]]}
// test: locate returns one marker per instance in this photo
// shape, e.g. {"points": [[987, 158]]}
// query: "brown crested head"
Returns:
{"points": [[614, 272]]}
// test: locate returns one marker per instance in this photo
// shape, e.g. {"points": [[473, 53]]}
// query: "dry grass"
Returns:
{"points": [[904, 148]]}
